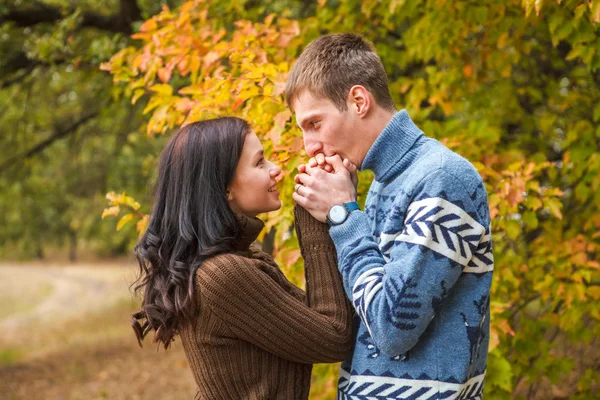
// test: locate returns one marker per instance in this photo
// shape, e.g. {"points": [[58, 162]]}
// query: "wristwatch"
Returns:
{"points": [[339, 213]]}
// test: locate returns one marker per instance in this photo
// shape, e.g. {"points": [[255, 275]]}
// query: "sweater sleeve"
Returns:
{"points": [[398, 283], [259, 310]]}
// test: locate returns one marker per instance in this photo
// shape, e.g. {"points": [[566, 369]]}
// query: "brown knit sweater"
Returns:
{"points": [[257, 335]]}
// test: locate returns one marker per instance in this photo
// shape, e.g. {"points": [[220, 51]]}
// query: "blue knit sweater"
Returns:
{"points": [[417, 265]]}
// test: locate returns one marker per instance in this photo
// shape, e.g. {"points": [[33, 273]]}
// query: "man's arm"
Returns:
{"points": [[397, 286]]}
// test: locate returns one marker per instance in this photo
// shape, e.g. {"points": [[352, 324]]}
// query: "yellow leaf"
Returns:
{"points": [[554, 205], [162, 89], [538, 6], [395, 4], [142, 225], [595, 9], [114, 211], [137, 93], [124, 219]]}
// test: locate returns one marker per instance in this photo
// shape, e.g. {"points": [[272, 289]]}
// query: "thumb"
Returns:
{"points": [[336, 162], [349, 166], [353, 171]]}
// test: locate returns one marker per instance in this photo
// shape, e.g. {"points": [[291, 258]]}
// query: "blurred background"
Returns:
{"points": [[90, 92]]}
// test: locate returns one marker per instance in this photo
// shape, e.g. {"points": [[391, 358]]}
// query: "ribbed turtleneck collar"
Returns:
{"points": [[250, 229], [399, 135]]}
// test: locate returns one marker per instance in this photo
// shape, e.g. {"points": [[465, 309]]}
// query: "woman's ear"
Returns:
{"points": [[229, 195]]}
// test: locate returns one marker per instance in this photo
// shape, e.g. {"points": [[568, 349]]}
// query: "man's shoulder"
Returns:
{"points": [[439, 163]]}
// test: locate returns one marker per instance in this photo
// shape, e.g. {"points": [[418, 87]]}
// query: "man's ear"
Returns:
{"points": [[359, 100]]}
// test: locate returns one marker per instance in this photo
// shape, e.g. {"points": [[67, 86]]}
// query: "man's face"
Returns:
{"points": [[325, 129]]}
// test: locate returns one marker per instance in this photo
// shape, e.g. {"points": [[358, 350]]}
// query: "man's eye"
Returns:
{"points": [[314, 124], [261, 161]]}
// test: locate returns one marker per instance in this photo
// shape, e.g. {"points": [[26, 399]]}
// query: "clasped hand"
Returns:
{"points": [[324, 182]]}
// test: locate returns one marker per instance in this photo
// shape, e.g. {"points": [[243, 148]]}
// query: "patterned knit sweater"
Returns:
{"points": [[256, 334], [417, 265]]}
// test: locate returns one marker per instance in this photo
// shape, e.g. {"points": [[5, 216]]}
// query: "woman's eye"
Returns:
{"points": [[261, 161], [314, 124]]}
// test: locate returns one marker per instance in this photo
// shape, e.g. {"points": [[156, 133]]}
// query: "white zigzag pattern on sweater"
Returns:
{"points": [[448, 230], [362, 387], [365, 288]]}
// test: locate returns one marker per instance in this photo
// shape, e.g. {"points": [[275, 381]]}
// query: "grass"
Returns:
{"points": [[10, 356]]}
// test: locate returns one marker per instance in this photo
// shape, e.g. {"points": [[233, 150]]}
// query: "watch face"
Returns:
{"points": [[338, 214]]}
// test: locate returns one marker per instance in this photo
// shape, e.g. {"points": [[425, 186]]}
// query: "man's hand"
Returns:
{"points": [[317, 190], [320, 160]]}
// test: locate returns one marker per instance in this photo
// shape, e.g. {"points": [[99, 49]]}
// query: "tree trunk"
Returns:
{"points": [[72, 246]]}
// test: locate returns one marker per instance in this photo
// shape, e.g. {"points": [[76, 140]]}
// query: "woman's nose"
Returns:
{"points": [[275, 171]]}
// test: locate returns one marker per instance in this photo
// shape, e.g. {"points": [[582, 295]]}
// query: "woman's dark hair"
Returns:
{"points": [[191, 220]]}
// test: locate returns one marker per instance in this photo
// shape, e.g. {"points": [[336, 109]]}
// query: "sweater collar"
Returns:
{"points": [[399, 135], [249, 230]]}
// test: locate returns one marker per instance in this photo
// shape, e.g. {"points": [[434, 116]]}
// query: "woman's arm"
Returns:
{"points": [[258, 309]]}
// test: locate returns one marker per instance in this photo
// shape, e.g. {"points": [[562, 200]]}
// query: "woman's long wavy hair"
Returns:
{"points": [[191, 220]]}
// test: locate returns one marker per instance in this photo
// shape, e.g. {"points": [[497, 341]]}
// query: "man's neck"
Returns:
{"points": [[375, 124]]}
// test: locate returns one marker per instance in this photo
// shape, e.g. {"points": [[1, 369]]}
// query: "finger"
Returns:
{"points": [[304, 179], [302, 168], [336, 162], [297, 189], [349, 166], [328, 168], [314, 171], [312, 162], [320, 159], [300, 200], [353, 171]]}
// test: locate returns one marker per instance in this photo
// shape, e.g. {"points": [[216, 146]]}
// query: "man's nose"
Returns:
{"points": [[312, 147]]}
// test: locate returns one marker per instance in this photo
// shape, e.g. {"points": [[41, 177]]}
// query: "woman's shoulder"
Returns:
{"points": [[225, 262], [230, 266], [222, 274]]}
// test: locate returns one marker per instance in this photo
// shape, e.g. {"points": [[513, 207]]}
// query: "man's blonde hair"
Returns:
{"points": [[330, 65]]}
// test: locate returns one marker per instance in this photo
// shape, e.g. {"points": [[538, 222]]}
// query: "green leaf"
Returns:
{"points": [[582, 192], [597, 113], [513, 229], [499, 372], [530, 219]]}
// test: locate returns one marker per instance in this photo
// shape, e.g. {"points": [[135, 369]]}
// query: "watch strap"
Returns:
{"points": [[351, 206]]}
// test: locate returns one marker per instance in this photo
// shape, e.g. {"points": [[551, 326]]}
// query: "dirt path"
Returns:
{"points": [[72, 291], [64, 334]]}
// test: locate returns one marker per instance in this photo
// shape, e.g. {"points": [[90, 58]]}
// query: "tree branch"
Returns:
{"points": [[47, 142], [129, 12], [28, 70]]}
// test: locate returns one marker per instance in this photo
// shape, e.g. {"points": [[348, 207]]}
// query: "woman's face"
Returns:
{"points": [[254, 186]]}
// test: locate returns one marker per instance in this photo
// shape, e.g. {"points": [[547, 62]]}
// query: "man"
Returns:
{"points": [[417, 261]]}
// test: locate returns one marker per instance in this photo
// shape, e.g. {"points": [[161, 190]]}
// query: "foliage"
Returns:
{"points": [[519, 78], [65, 140]]}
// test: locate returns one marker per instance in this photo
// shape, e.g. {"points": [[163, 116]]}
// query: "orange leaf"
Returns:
{"points": [[280, 120], [468, 70]]}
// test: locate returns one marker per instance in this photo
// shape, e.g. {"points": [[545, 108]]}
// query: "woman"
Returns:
{"points": [[248, 333]]}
